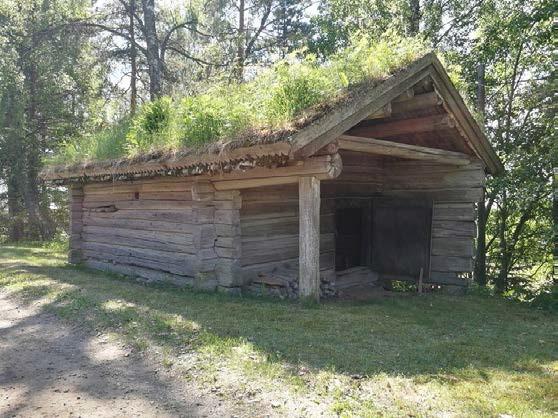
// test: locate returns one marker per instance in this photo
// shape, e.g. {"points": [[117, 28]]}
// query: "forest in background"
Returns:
{"points": [[71, 67]]}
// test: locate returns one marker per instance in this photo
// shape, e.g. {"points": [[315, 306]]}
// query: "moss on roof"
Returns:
{"points": [[279, 101]]}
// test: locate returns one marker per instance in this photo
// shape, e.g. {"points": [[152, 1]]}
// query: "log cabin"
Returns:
{"points": [[382, 185]]}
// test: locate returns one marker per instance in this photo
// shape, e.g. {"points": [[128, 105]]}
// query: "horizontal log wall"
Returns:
{"points": [[75, 254], [169, 229], [269, 225], [362, 175], [186, 232]]}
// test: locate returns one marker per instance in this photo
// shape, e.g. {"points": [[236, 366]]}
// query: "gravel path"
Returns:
{"points": [[48, 368]]}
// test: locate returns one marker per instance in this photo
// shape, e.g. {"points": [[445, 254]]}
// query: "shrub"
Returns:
{"points": [[102, 144], [298, 86], [151, 127], [210, 117], [546, 298]]}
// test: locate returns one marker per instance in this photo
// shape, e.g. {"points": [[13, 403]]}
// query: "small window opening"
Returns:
{"points": [[136, 195]]}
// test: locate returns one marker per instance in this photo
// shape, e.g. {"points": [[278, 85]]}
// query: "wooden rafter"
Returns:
{"points": [[395, 149], [314, 137], [404, 126], [418, 102]]}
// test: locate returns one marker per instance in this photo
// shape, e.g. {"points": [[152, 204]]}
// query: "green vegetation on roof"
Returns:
{"points": [[269, 102]]}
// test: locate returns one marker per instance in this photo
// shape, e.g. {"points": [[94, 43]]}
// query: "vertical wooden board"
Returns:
{"points": [[401, 236], [309, 241]]}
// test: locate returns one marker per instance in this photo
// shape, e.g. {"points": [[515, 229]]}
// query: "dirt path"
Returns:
{"points": [[48, 368]]}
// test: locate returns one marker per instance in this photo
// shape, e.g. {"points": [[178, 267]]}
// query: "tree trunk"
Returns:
{"points": [[482, 218], [284, 29], [39, 225], [501, 280], [241, 44], [133, 61], [15, 208], [480, 259], [12, 166], [153, 54], [414, 17]]}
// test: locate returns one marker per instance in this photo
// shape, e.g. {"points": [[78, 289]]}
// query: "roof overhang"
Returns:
{"points": [[309, 139], [326, 130]]}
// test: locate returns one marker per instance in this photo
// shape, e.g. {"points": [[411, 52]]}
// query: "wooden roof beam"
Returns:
{"points": [[410, 104], [384, 112], [406, 95], [395, 149], [323, 167], [418, 102], [309, 140], [404, 126]]}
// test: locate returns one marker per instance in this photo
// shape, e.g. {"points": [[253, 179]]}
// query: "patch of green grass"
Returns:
{"points": [[271, 101], [429, 355], [102, 144]]}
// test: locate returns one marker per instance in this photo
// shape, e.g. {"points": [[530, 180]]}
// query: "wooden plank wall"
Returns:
{"points": [[184, 231], [269, 232], [454, 191], [362, 175]]}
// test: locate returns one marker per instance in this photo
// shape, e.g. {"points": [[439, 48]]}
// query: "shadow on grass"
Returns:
{"points": [[38, 355], [405, 336]]}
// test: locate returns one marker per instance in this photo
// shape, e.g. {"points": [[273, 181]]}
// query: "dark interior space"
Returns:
{"points": [[379, 240], [401, 238], [349, 238]]}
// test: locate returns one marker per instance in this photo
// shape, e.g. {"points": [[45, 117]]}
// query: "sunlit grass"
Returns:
{"points": [[273, 100], [431, 355]]}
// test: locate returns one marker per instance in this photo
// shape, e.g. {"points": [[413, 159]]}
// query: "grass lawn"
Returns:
{"points": [[433, 355]]}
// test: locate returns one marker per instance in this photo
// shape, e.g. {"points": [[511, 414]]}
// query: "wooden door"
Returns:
{"points": [[401, 237]]}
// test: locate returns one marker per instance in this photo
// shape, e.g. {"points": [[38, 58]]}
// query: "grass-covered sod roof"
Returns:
{"points": [[280, 100]]}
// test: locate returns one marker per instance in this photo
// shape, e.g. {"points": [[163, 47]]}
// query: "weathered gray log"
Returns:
{"points": [[404, 126], [395, 149], [417, 102], [309, 242]]}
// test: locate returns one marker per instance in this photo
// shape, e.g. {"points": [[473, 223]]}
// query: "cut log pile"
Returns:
{"points": [[355, 276], [282, 282]]}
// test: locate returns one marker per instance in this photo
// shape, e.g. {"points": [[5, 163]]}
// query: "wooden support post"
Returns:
{"points": [[309, 238]]}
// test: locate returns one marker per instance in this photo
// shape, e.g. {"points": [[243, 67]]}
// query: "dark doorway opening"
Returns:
{"points": [[381, 240], [349, 238], [401, 238]]}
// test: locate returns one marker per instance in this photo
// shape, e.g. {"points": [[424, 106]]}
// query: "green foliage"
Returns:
{"points": [[208, 117], [274, 98], [151, 126], [101, 144], [298, 86], [547, 298]]}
